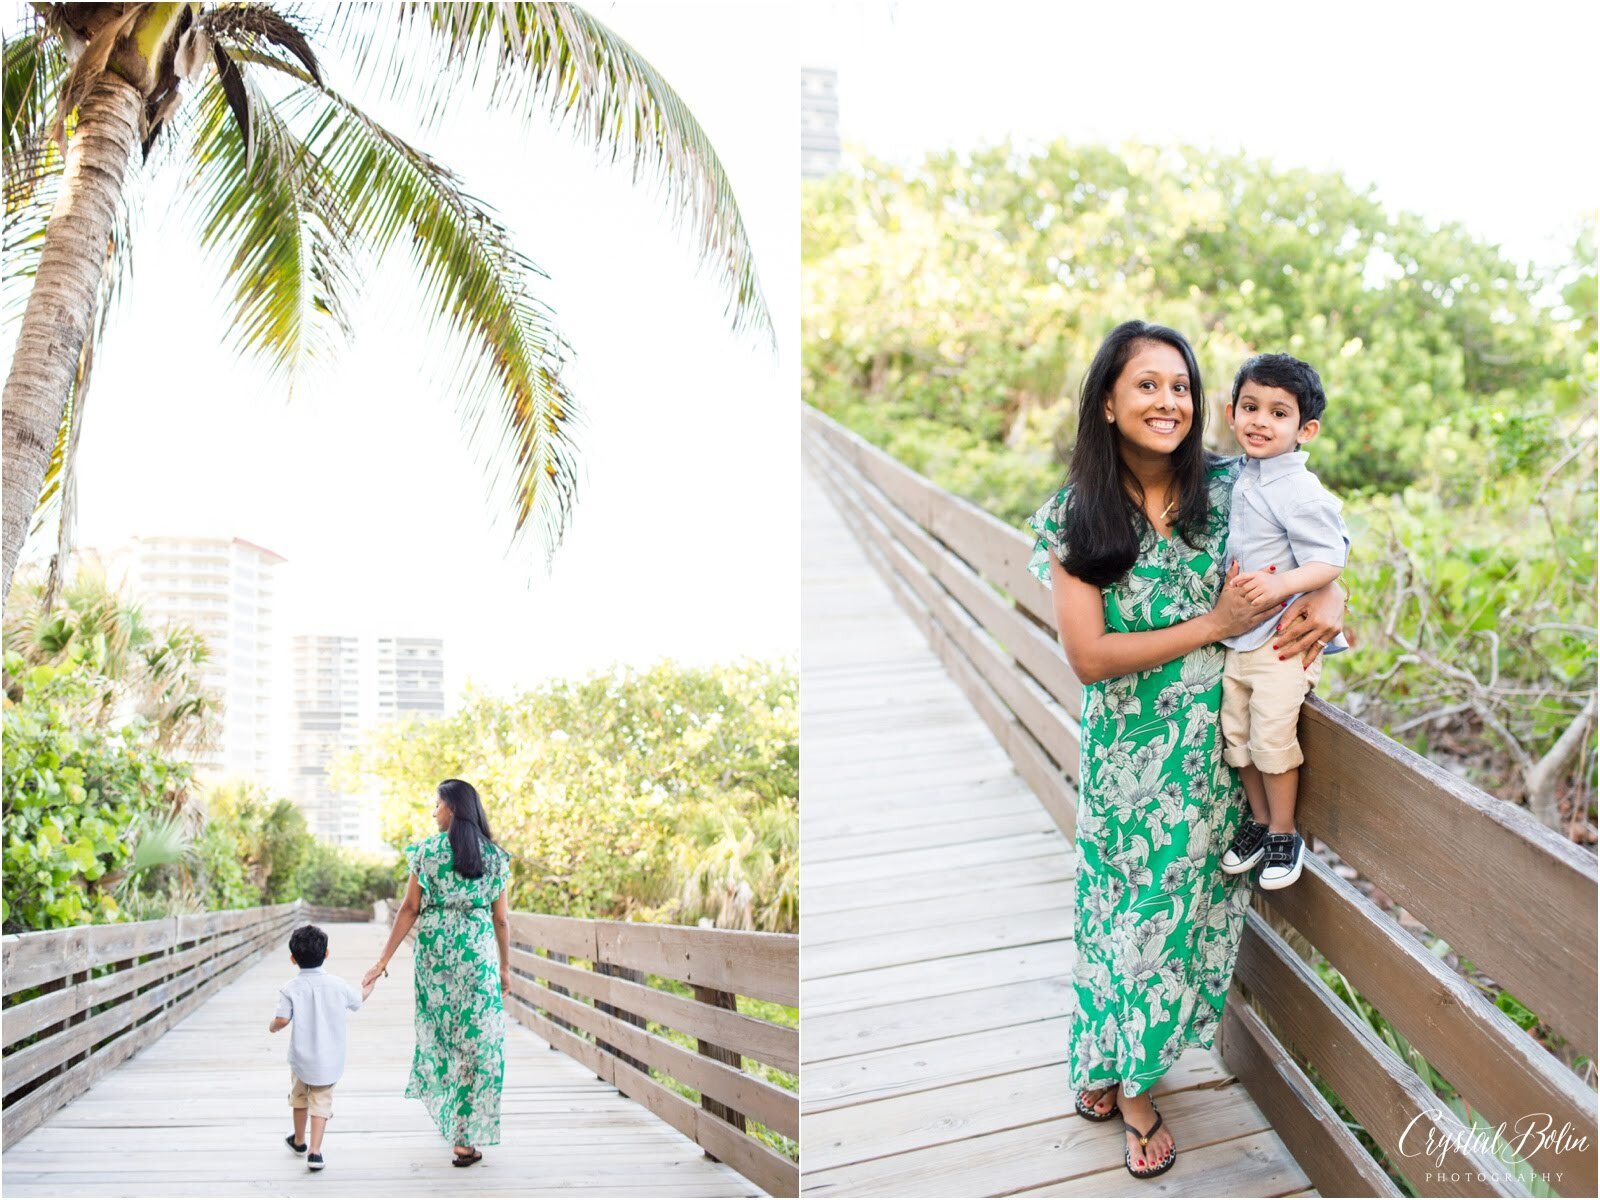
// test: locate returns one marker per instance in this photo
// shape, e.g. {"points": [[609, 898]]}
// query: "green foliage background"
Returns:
{"points": [[670, 793], [103, 822], [951, 309]]}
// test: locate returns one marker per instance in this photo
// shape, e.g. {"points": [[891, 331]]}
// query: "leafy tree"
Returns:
{"points": [[340, 878], [76, 797], [669, 793], [959, 304], [951, 309], [296, 190], [155, 674]]}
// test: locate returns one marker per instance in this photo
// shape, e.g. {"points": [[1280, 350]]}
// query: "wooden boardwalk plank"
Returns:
{"points": [[937, 918], [203, 1112]]}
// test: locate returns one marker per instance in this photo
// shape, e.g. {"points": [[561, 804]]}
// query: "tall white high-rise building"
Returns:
{"points": [[224, 589], [410, 677], [819, 122], [326, 720], [341, 686]]}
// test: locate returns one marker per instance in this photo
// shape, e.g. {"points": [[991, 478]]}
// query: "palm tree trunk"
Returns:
{"points": [[62, 303]]}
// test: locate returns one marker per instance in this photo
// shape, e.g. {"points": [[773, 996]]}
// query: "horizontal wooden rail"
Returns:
{"points": [[962, 576], [323, 914], [107, 991], [601, 1015]]}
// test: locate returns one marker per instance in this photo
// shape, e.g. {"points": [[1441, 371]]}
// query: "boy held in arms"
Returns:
{"points": [[317, 1004], [1286, 534]]}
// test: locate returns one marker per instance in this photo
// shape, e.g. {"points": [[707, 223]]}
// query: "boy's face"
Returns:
{"points": [[1266, 420]]}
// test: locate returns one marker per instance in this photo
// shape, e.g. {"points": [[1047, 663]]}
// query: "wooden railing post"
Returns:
{"points": [[715, 999], [632, 976], [610, 1019], [558, 956]]}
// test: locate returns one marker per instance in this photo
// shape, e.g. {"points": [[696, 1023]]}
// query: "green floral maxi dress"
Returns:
{"points": [[459, 1063], [1157, 920]]}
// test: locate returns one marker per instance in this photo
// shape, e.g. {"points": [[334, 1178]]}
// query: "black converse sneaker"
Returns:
{"points": [[297, 1147], [1247, 849], [314, 1161], [1286, 854]]}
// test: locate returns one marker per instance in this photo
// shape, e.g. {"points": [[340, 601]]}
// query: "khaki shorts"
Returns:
{"points": [[1261, 699], [317, 1100]]}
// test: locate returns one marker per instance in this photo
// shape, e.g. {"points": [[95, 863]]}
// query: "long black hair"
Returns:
{"points": [[469, 827], [1107, 511]]}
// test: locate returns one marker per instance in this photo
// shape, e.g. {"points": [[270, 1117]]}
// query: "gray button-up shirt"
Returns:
{"points": [[1282, 516], [316, 1005]]}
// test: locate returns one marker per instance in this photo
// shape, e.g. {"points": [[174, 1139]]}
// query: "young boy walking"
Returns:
{"points": [[316, 1004], [1286, 534]]}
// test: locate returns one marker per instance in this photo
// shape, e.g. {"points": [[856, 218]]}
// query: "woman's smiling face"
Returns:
{"points": [[1151, 404]]}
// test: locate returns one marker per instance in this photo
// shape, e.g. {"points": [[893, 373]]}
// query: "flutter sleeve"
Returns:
{"points": [[417, 864], [1049, 526], [502, 869]]}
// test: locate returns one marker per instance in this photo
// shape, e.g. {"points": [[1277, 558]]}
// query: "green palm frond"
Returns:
{"points": [[475, 284], [34, 68], [557, 59], [282, 235]]}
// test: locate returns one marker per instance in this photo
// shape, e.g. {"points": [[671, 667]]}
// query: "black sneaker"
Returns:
{"points": [[297, 1147], [1247, 849], [1285, 855], [314, 1162]]}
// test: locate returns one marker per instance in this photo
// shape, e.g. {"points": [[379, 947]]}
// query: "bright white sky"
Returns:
{"points": [[1473, 112], [685, 540]]}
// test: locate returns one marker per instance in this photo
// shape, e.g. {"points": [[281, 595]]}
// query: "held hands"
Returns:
{"points": [[370, 979], [1236, 612]]}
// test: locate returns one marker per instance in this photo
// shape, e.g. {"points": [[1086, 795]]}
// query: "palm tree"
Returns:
{"points": [[296, 191], [157, 674]]}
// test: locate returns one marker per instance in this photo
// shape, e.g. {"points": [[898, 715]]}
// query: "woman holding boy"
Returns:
{"points": [[1133, 549]]}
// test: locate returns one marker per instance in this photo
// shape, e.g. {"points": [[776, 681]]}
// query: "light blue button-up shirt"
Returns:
{"points": [[1282, 516], [316, 1005]]}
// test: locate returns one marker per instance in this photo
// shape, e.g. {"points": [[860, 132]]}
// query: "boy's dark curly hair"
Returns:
{"points": [[309, 945], [1297, 378]]}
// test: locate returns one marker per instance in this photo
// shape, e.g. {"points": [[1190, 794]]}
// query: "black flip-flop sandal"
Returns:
{"points": [[1144, 1140], [1087, 1110], [466, 1160]]}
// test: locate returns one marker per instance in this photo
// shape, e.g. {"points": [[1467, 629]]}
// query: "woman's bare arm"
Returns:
{"points": [[501, 916], [1096, 654], [410, 907]]}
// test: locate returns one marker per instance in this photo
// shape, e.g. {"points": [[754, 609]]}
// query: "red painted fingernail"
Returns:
{"points": [[1281, 657], [1273, 567], [1274, 644]]}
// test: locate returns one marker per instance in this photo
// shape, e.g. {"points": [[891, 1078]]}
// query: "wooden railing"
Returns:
{"points": [[601, 1015], [1508, 894], [80, 1001]]}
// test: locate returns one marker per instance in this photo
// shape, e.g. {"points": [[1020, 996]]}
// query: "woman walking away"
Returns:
{"points": [[457, 897]]}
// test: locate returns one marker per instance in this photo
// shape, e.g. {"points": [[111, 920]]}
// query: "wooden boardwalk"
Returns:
{"points": [[937, 952], [203, 1112]]}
